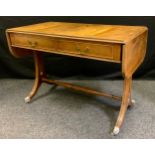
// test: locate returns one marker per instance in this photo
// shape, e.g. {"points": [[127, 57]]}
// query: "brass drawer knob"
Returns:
{"points": [[78, 49], [86, 51], [32, 44]]}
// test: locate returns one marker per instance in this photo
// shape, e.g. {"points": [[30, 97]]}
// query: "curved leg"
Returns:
{"points": [[124, 105], [36, 86], [39, 73]]}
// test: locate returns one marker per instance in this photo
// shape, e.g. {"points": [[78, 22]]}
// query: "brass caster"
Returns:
{"points": [[115, 131], [132, 104], [27, 99], [133, 101]]}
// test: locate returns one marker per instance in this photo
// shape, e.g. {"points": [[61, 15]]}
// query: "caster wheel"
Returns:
{"points": [[115, 131], [132, 103], [27, 100]]}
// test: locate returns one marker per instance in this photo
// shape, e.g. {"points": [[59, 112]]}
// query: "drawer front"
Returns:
{"points": [[33, 41], [91, 49], [88, 49]]}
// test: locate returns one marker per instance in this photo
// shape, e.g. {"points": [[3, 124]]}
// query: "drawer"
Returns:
{"points": [[92, 49], [33, 41]]}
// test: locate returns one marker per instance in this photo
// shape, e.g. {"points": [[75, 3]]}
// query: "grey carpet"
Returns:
{"points": [[62, 113]]}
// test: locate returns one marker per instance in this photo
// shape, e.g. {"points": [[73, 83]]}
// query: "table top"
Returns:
{"points": [[98, 32]]}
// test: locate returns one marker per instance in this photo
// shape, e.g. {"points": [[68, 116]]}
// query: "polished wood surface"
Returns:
{"points": [[114, 43], [134, 54], [105, 33]]}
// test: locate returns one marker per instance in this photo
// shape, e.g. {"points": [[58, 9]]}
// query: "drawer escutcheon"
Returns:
{"points": [[82, 52], [32, 44]]}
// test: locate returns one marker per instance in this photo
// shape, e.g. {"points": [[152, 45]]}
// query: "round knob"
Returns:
{"points": [[86, 50], [32, 44]]}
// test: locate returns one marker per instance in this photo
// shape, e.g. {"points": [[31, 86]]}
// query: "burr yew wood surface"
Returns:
{"points": [[108, 33], [93, 41]]}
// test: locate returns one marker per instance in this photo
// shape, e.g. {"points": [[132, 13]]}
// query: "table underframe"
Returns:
{"points": [[40, 77]]}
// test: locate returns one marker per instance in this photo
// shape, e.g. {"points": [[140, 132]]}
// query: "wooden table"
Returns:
{"points": [[116, 44]]}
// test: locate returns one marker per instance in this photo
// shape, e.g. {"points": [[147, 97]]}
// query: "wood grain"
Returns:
{"points": [[90, 49], [108, 33], [134, 54]]}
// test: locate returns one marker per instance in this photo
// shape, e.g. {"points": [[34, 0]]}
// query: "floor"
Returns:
{"points": [[62, 113]]}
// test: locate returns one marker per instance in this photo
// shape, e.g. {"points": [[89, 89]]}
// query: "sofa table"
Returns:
{"points": [[113, 43]]}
